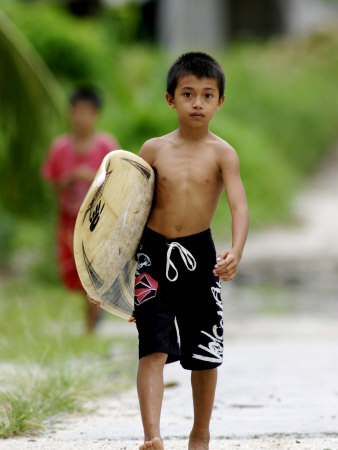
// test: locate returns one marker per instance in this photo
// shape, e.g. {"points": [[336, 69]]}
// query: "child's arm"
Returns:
{"points": [[228, 260], [54, 171], [81, 173], [148, 150]]}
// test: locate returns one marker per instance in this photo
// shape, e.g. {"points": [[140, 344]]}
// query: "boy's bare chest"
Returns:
{"points": [[187, 169]]}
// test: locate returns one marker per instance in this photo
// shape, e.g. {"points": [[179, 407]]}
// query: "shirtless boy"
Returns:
{"points": [[193, 167]]}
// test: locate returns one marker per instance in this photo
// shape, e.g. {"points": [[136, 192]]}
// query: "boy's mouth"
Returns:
{"points": [[197, 115]]}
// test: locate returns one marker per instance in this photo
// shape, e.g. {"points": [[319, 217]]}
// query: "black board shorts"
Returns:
{"points": [[178, 306]]}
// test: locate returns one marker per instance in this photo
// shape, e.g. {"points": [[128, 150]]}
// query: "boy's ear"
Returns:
{"points": [[220, 102], [170, 100]]}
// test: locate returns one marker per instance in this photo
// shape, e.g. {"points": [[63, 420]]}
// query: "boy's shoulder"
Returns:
{"points": [[150, 148], [221, 150], [105, 138], [222, 147], [61, 143], [158, 141]]}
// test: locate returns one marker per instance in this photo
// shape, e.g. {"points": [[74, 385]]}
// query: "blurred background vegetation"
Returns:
{"points": [[280, 113]]}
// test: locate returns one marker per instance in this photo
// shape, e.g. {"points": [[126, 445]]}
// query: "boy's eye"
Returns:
{"points": [[187, 94], [208, 95]]}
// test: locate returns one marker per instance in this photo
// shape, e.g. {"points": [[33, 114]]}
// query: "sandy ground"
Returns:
{"points": [[278, 385]]}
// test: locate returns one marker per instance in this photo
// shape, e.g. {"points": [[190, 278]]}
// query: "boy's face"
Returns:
{"points": [[83, 115], [196, 100]]}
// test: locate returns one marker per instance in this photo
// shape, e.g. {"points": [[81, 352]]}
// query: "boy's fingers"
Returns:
{"points": [[91, 300], [228, 278], [226, 270], [226, 274], [221, 262], [221, 256], [225, 263]]}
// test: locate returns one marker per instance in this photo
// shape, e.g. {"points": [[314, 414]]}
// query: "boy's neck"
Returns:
{"points": [[83, 141], [192, 134], [83, 135]]}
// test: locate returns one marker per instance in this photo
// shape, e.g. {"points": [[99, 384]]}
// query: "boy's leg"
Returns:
{"points": [[203, 384], [93, 313], [150, 392]]}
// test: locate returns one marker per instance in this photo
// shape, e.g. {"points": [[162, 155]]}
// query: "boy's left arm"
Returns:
{"points": [[228, 260]]}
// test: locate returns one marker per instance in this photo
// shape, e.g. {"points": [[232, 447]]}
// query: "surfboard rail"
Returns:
{"points": [[109, 227]]}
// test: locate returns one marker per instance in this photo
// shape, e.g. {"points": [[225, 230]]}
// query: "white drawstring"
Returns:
{"points": [[187, 257]]}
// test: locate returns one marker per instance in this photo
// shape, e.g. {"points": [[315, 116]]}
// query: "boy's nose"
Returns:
{"points": [[197, 102]]}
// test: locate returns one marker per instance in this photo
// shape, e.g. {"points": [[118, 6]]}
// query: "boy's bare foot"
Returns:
{"points": [[155, 444], [198, 442]]}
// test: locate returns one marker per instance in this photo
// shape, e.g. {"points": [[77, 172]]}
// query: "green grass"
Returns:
{"points": [[52, 365], [34, 396]]}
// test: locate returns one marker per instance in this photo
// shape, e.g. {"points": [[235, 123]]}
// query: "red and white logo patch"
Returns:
{"points": [[145, 288]]}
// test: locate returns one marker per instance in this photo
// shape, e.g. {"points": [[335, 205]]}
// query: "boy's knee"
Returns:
{"points": [[155, 359]]}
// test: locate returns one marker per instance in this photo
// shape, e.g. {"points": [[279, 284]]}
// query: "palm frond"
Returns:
{"points": [[27, 58], [31, 101]]}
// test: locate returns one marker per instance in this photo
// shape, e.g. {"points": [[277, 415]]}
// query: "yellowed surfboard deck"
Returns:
{"points": [[109, 227]]}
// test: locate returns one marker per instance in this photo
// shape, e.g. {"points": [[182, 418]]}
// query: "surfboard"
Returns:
{"points": [[109, 227]]}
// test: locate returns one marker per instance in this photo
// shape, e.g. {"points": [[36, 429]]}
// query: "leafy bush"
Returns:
{"points": [[74, 49], [280, 113]]}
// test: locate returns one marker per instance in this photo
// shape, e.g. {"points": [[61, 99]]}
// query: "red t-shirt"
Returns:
{"points": [[63, 160]]}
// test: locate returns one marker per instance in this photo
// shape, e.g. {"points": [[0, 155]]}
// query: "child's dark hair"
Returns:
{"points": [[195, 63], [86, 93]]}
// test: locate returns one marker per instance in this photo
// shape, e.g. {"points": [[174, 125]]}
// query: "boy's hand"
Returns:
{"points": [[81, 173], [84, 173], [226, 265], [94, 302]]}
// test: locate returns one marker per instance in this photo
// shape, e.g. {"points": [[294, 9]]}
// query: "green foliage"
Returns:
{"points": [[122, 23], [136, 109], [280, 114], [29, 98], [74, 49]]}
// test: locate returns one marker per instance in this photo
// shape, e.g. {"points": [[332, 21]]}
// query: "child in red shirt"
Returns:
{"points": [[71, 165]]}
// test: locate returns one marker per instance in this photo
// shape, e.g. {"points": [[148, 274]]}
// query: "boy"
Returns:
{"points": [[193, 167], [71, 165]]}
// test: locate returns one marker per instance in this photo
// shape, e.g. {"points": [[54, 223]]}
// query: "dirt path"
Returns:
{"points": [[278, 386]]}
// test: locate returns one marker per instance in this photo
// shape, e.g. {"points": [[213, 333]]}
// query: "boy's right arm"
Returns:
{"points": [[81, 173], [148, 151]]}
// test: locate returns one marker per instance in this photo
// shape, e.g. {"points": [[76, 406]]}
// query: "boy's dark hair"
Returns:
{"points": [[195, 63], [86, 93]]}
